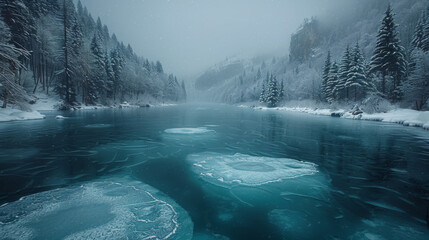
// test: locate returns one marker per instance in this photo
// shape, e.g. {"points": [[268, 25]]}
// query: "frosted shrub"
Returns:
{"points": [[374, 103]]}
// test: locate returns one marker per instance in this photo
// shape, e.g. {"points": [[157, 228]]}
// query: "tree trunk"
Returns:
{"points": [[5, 99], [347, 93], [66, 64], [35, 87], [355, 93], [47, 77]]}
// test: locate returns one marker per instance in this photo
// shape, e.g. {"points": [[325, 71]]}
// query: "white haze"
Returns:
{"points": [[188, 36]]}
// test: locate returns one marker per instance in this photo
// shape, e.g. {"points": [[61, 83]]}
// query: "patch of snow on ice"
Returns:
{"points": [[248, 170], [116, 209]]}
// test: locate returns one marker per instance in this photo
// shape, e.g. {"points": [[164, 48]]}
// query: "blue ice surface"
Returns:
{"points": [[117, 208]]}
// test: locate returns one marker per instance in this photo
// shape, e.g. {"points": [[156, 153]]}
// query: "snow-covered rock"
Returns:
{"points": [[405, 117]]}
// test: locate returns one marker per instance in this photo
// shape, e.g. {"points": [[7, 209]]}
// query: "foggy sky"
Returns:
{"points": [[188, 36]]}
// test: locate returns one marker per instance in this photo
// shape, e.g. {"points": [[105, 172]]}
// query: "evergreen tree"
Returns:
{"points": [[419, 33], [388, 59], [416, 87], [110, 77], [117, 66], [425, 25], [98, 76], [356, 80], [146, 65], [170, 91], [281, 91], [19, 20], [325, 76], [159, 68], [10, 90], [273, 93], [331, 83], [340, 90], [71, 43], [263, 93]]}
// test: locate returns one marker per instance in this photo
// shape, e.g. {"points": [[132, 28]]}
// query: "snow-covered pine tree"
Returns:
{"points": [[99, 30], [332, 82], [20, 22], [71, 43], [356, 81], [159, 68], [273, 93], [281, 91], [171, 91], [146, 65], [425, 39], [83, 76], [17, 16], [117, 61], [263, 93], [416, 87], [110, 76], [98, 72], [265, 86], [419, 33], [388, 58], [340, 90], [325, 76], [10, 90]]}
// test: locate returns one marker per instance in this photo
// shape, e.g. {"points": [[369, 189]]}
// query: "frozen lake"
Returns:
{"points": [[213, 172]]}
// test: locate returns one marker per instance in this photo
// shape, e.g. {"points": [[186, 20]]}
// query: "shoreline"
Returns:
{"points": [[405, 117]]}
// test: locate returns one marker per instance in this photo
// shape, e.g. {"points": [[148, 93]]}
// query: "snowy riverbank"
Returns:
{"points": [[406, 117], [10, 114], [43, 103]]}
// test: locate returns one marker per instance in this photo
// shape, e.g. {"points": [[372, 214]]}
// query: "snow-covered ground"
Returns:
{"points": [[10, 114], [47, 103], [406, 117]]}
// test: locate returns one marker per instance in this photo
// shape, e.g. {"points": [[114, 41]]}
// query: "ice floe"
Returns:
{"points": [[108, 209], [240, 169], [188, 131]]}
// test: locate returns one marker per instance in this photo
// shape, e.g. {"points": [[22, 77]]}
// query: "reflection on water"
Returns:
{"points": [[375, 175]]}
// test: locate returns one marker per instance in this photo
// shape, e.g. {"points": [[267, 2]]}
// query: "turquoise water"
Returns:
{"points": [[239, 173]]}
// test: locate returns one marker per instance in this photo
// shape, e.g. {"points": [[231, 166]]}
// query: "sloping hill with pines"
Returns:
{"points": [[54, 48], [367, 56]]}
